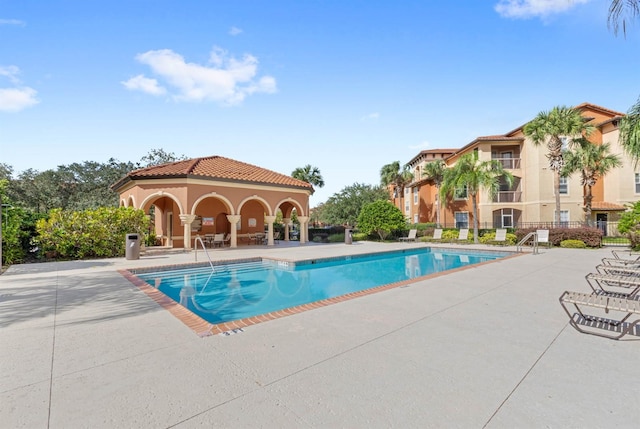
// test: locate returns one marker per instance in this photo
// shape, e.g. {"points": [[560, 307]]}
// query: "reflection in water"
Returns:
{"points": [[238, 291]]}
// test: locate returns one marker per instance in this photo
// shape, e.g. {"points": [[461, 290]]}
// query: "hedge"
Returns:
{"points": [[591, 237]]}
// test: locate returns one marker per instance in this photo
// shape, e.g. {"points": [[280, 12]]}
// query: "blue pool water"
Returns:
{"points": [[237, 291]]}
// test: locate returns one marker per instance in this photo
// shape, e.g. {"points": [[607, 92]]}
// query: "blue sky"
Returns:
{"points": [[346, 86]]}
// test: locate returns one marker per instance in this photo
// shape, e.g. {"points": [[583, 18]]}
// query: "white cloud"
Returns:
{"points": [[371, 117], [225, 79], [234, 31], [144, 84], [17, 99], [12, 22], [534, 8], [10, 72]]}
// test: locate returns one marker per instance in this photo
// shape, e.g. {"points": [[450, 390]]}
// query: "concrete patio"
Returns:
{"points": [[488, 346]]}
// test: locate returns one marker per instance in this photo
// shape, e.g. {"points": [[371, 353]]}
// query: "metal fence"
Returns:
{"points": [[610, 234]]}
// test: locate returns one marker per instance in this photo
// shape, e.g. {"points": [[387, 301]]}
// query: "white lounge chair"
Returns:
{"points": [[411, 237], [463, 235], [437, 234], [543, 237], [501, 236]]}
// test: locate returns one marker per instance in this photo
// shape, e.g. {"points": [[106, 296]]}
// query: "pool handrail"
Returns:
{"points": [[195, 245], [533, 234]]}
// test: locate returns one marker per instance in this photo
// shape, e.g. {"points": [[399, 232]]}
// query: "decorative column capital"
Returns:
{"points": [[187, 218], [270, 219]]}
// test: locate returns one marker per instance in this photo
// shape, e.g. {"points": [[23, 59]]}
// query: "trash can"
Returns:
{"points": [[132, 247], [347, 236]]}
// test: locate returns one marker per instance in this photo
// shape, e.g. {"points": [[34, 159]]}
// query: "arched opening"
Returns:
{"points": [[164, 213]]}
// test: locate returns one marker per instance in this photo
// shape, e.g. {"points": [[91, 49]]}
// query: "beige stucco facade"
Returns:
{"points": [[531, 199]]}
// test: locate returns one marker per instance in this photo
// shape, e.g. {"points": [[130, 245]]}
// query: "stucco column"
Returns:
{"points": [[286, 221], [270, 220], [304, 224], [187, 220], [233, 220]]}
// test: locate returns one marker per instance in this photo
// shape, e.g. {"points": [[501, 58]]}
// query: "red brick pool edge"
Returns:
{"points": [[204, 329]]}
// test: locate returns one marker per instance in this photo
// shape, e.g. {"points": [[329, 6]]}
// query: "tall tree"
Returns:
{"points": [[592, 161], [553, 127], [434, 171], [475, 175], [621, 12], [630, 132], [392, 174], [309, 174], [344, 207], [160, 156]]}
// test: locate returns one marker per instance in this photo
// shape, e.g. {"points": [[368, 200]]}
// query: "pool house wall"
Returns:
{"points": [[185, 207]]}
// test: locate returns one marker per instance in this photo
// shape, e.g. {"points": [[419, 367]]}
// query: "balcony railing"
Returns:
{"points": [[508, 197], [508, 163]]}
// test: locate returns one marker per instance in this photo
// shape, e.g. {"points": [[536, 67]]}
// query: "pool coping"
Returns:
{"points": [[204, 328]]}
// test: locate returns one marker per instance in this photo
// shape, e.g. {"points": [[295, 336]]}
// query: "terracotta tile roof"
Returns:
{"points": [[603, 205], [215, 167]]}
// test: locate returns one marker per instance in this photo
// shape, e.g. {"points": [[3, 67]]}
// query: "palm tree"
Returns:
{"points": [[555, 126], [630, 132], [592, 161], [621, 12], [309, 174], [469, 171], [434, 171], [392, 174]]}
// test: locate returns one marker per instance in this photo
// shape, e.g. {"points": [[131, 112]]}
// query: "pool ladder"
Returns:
{"points": [[521, 243], [204, 248]]}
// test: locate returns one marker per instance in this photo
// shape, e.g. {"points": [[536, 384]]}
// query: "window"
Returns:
{"points": [[637, 183], [460, 193], [406, 191], [462, 219], [564, 218], [415, 218], [406, 207], [564, 186], [415, 195]]}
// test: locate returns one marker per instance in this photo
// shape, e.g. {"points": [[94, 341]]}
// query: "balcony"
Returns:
{"points": [[508, 163], [508, 197]]}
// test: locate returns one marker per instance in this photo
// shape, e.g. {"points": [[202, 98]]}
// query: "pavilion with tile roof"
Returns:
{"points": [[215, 195]]}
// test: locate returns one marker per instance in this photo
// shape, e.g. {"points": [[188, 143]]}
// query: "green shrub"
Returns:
{"points": [[450, 234], [89, 233], [490, 238], [592, 237], [359, 236], [573, 244], [629, 225], [336, 238], [380, 217]]}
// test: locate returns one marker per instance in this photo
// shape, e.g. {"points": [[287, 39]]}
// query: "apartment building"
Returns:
{"points": [[531, 197]]}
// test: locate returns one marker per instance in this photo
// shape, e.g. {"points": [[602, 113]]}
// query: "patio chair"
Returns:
{"points": [[627, 256], [437, 234], [600, 325], [411, 237], [463, 234], [625, 284], [501, 236], [227, 240], [543, 237], [218, 240]]}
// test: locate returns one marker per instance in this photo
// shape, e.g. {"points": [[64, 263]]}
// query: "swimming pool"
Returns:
{"points": [[243, 290]]}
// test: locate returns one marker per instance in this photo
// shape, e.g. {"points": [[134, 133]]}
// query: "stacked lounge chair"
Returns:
{"points": [[615, 287]]}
